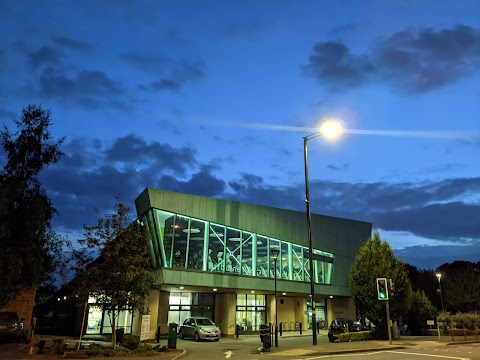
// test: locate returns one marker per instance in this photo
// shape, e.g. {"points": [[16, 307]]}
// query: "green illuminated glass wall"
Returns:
{"points": [[185, 242]]}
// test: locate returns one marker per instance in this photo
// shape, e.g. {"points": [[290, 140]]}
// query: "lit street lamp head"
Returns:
{"points": [[332, 129]]}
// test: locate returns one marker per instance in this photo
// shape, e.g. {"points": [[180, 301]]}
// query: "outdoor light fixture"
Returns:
{"points": [[330, 129], [275, 251]]}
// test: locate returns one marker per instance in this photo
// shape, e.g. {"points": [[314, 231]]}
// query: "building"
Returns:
{"points": [[213, 258]]}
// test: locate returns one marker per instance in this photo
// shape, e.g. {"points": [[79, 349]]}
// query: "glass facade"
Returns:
{"points": [[250, 312], [183, 242], [99, 319]]}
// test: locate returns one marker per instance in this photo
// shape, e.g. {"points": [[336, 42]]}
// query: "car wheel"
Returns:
{"points": [[331, 339], [216, 339], [180, 335], [196, 337]]}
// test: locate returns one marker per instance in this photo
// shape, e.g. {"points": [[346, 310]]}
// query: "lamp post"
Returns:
{"points": [[440, 288], [275, 251], [329, 129]]}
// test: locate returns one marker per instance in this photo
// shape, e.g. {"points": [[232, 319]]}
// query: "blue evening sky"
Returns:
{"points": [[213, 98]]}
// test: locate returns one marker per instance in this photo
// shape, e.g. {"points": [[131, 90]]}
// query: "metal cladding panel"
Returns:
{"points": [[244, 284]]}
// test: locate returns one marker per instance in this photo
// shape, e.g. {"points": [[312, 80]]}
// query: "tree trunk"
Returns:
{"points": [[114, 332]]}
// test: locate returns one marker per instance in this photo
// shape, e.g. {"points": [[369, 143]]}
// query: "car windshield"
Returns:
{"points": [[204, 321], [8, 316]]}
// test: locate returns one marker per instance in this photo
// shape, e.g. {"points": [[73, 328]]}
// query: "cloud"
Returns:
{"points": [[201, 183], [134, 149], [170, 74], [411, 61], [73, 44], [88, 88], [92, 173], [45, 55], [429, 59], [333, 65]]}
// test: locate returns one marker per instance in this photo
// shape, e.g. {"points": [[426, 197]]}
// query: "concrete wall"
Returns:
{"points": [[340, 309], [225, 311]]}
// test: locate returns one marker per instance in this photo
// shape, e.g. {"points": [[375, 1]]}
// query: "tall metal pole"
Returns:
{"points": [[387, 307], [276, 305], [310, 246], [440, 289]]}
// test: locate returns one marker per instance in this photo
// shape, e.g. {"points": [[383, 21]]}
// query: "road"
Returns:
{"points": [[454, 352], [291, 348]]}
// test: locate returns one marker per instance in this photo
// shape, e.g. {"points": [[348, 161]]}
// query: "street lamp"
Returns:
{"points": [[275, 251], [438, 275], [330, 129]]}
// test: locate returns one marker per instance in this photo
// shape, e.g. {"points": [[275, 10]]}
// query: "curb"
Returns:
{"points": [[346, 351], [183, 353]]}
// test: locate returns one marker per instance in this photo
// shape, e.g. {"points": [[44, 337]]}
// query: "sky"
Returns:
{"points": [[213, 98]]}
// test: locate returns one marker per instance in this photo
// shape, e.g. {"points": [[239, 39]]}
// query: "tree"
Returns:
{"points": [[420, 311], [30, 248], [461, 287], [426, 281], [376, 260], [121, 276]]}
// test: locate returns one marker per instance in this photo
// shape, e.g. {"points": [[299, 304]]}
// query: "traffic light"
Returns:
{"points": [[382, 289], [391, 288]]}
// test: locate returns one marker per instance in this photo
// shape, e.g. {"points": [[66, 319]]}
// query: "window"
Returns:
{"points": [[216, 248], [187, 243]]}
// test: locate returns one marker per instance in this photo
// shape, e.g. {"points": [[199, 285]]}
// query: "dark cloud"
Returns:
{"points": [[134, 149], [410, 61], [89, 89], [429, 59], [90, 83], [333, 65], [44, 56], [92, 173], [170, 74], [201, 183], [72, 44], [163, 84]]}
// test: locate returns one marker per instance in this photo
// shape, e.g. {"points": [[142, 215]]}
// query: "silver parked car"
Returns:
{"points": [[199, 328]]}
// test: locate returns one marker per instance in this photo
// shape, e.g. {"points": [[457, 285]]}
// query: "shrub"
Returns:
{"points": [[131, 342], [58, 346], [356, 336]]}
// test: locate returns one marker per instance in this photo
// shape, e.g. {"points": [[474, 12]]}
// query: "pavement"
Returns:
{"points": [[302, 344], [305, 347]]}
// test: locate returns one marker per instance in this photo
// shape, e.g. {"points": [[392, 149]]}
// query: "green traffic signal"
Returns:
{"points": [[382, 289]]}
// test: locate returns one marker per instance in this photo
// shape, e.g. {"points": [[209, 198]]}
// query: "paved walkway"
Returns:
{"points": [[305, 347], [302, 346]]}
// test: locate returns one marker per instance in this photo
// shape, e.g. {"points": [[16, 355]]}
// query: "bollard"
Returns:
{"points": [[158, 334], [281, 326], [237, 331], [300, 327], [172, 336]]}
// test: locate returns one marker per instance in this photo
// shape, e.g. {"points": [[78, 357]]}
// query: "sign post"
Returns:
{"points": [[145, 329]]}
